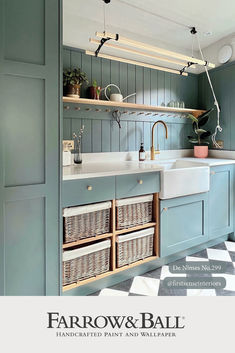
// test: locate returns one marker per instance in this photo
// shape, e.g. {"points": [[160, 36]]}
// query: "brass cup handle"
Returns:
{"points": [[140, 182], [89, 188]]}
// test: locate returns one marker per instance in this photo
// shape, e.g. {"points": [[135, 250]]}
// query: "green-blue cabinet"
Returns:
{"points": [[221, 201], [183, 223], [29, 147]]}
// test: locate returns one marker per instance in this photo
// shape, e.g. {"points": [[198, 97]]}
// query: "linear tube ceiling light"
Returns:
{"points": [[137, 63], [151, 48], [141, 53]]}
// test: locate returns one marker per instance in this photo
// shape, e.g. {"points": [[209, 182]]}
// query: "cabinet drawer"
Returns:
{"points": [[137, 184], [85, 191]]}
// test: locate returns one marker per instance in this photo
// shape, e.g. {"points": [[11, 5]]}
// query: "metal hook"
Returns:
{"points": [[98, 110], [77, 108], [108, 110], [88, 109], [66, 107]]}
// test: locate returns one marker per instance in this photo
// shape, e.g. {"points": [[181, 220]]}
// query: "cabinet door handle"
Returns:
{"points": [[165, 209], [89, 188], [140, 182], [212, 172]]}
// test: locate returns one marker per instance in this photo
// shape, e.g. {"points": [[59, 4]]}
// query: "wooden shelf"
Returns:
{"points": [[195, 112], [106, 274], [133, 229], [87, 240]]}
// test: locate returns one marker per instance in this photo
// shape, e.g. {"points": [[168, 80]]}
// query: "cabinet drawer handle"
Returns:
{"points": [[89, 188], [212, 172], [140, 182]]}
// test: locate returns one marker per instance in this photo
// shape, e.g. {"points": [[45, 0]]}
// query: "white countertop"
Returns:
{"points": [[102, 169], [92, 170]]}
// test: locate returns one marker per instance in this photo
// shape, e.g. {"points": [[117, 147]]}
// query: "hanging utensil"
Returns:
{"points": [[117, 115]]}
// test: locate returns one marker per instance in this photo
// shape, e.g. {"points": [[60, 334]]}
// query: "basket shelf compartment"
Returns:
{"points": [[134, 246], [86, 262], [134, 211], [86, 221], [107, 274]]}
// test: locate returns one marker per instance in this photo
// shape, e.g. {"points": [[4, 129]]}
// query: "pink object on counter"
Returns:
{"points": [[201, 151]]}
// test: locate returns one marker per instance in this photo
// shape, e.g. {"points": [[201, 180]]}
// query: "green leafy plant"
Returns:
{"points": [[74, 77], [201, 135], [96, 87]]}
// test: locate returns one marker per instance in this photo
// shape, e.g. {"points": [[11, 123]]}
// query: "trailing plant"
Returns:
{"points": [[74, 77], [201, 135]]}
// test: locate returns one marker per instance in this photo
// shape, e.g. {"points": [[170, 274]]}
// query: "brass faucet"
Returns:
{"points": [[153, 152]]}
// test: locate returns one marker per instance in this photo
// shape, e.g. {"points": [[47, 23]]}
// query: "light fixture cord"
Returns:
{"points": [[218, 128], [104, 9], [192, 45]]}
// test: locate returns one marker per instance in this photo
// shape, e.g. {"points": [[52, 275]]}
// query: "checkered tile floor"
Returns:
{"points": [[151, 283]]}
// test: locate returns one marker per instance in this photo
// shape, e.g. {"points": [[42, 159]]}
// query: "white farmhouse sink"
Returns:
{"points": [[180, 178]]}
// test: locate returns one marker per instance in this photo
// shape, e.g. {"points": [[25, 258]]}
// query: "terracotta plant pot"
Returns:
{"points": [[200, 151], [73, 91], [93, 93]]}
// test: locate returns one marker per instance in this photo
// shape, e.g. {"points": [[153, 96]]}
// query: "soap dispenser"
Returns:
{"points": [[142, 153]]}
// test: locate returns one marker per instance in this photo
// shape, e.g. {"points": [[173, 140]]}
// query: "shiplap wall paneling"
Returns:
{"points": [[151, 87]]}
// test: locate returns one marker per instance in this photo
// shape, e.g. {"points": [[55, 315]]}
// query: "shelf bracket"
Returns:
{"points": [[190, 63], [102, 42]]}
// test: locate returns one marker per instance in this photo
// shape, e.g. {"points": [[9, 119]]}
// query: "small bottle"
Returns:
{"points": [[142, 153]]}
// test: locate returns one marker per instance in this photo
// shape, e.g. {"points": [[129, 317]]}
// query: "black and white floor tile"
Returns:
{"points": [[151, 283]]}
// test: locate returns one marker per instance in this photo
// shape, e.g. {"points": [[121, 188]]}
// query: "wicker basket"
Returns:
{"points": [[86, 262], [86, 221], [134, 246], [134, 211]]}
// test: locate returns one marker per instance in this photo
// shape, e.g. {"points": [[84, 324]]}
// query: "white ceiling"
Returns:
{"points": [[83, 18]]}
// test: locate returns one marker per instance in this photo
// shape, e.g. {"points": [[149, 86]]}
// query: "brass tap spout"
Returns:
{"points": [[153, 152]]}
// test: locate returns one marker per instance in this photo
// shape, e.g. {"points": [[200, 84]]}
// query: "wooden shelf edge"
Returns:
{"points": [[106, 274], [87, 240], [142, 226], [131, 105]]}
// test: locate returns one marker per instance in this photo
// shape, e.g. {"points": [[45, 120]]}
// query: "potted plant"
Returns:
{"points": [[200, 138], [72, 80], [95, 90]]}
